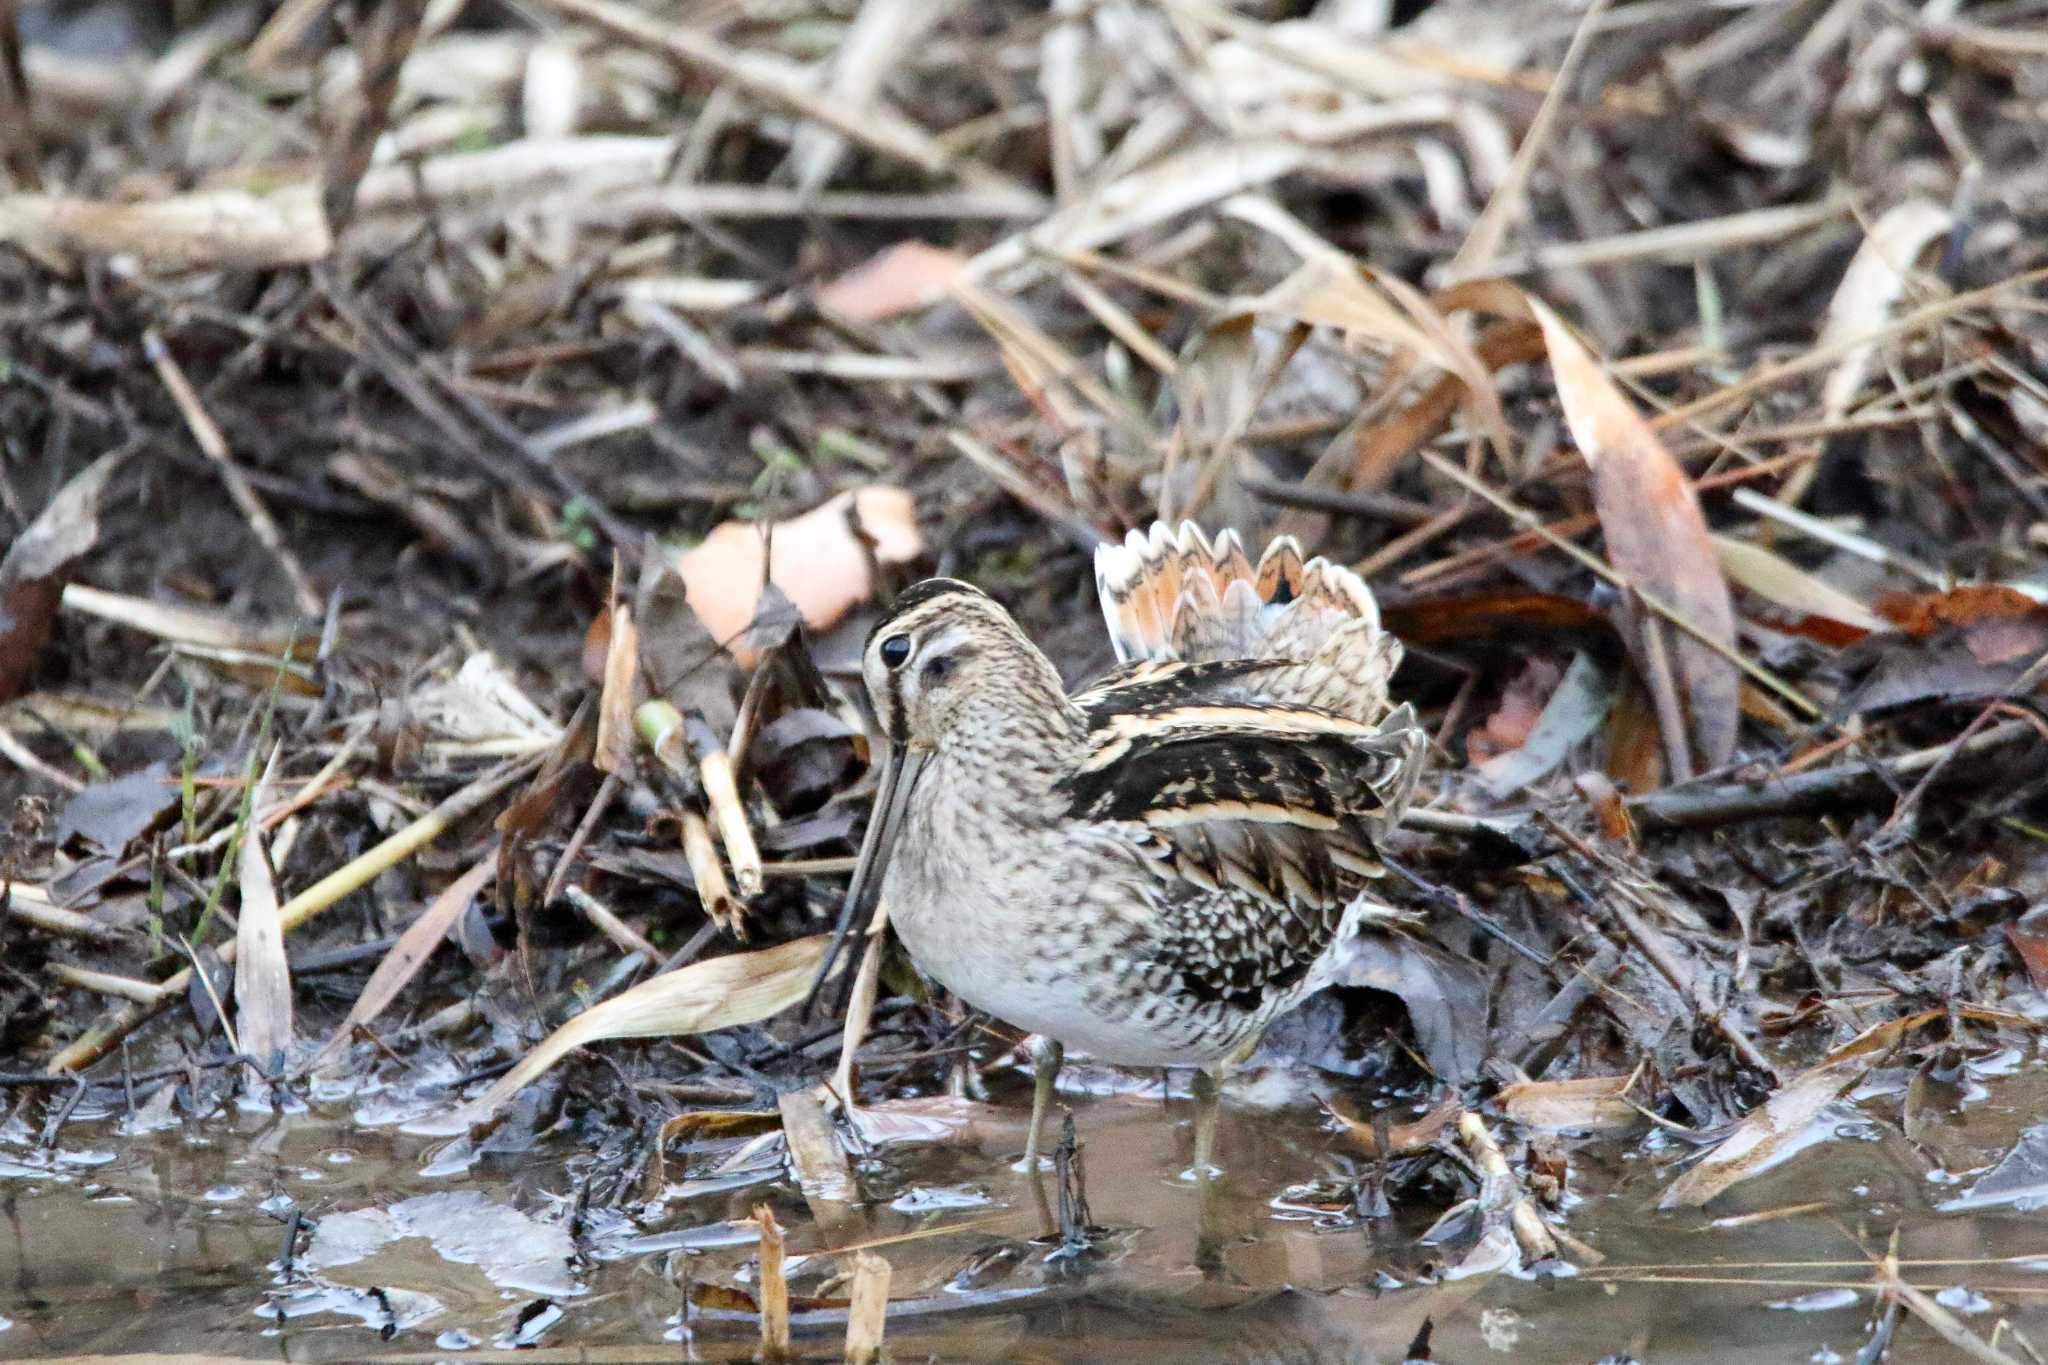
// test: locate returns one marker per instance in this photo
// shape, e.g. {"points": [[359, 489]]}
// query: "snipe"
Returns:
{"points": [[1152, 868]]}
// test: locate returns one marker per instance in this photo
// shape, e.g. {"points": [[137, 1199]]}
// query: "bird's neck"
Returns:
{"points": [[1019, 730]]}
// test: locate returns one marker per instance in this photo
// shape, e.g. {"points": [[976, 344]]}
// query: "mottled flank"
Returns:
{"points": [[1154, 867]]}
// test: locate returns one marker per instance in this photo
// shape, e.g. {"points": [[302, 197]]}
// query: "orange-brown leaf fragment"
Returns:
{"points": [[896, 280], [2030, 941], [1521, 706], [1656, 539], [819, 562]]}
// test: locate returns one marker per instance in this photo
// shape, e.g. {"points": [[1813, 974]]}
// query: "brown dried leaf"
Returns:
{"points": [[1762, 1137], [819, 561], [1793, 588], [2029, 939], [1870, 287], [32, 573], [737, 989], [1657, 539], [1587, 1104], [1520, 707], [1999, 624], [620, 695], [1412, 1136], [1494, 617], [263, 980], [403, 962]]}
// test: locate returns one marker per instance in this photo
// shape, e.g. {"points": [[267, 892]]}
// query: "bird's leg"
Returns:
{"points": [[1046, 1056], [1208, 1088]]}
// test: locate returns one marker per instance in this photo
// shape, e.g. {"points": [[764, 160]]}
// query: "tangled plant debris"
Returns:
{"points": [[450, 458]]}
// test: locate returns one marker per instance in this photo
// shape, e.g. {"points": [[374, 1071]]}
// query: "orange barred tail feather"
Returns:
{"points": [[1180, 596]]}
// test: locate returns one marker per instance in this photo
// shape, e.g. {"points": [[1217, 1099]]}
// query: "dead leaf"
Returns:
{"points": [[114, 814], [263, 980], [819, 561], [1412, 1136], [1491, 618], [1862, 305], [1971, 643], [32, 573], [899, 279], [1769, 1132], [2029, 938], [405, 958], [1574, 711], [1793, 588], [1587, 1104], [619, 696], [1998, 625], [1656, 539], [597, 644], [740, 988]]}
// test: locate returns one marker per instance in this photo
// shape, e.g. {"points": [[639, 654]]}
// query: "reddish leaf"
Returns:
{"points": [[1492, 616], [2030, 941], [1922, 614], [1657, 539]]}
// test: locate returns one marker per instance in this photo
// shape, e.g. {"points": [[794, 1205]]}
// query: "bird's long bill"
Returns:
{"points": [[900, 769]]}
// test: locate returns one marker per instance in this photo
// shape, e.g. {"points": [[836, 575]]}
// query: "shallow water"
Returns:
{"points": [[160, 1241]]}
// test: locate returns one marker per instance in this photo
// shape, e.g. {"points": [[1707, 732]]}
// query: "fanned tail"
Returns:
{"points": [[1170, 595], [1179, 595]]}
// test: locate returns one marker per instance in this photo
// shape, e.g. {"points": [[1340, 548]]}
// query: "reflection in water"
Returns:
{"points": [[170, 1239]]}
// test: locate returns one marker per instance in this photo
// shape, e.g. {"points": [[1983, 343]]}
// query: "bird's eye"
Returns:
{"points": [[895, 650]]}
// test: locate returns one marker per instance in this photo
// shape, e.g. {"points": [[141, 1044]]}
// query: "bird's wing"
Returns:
{"points": [[1257, 818]]}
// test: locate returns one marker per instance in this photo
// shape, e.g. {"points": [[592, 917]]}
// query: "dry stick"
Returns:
{"points": [[867, 1314], [1528, 520], [39, 914], [608, 789], [106, 983], [351, 876], [774, 1287], [215, 447], [1722, 803], [712, 891], [2022, 686], [817, 1156], [810, 867], [1482, 243], [1532, 1234], [388, 35], [860, 1007], [722, 794], [1822, 356], [1663, 683], [610, 925], [23, 757]]}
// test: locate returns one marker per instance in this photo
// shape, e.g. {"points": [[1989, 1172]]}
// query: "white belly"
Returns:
{"points": [[1017, 960]]}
